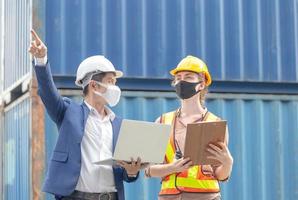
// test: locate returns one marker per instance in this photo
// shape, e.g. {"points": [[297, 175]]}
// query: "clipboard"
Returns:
{"points": [[199, 136]]}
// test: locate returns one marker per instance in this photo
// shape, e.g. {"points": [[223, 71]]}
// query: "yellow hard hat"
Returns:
{"points": [[193, 64]]}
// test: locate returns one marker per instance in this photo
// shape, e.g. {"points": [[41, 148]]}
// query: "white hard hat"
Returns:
{"points": [[93, 65]]}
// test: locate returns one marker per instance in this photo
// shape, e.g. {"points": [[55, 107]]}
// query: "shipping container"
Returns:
{"points": [[1, 48], [263, 140], [243, 40], [250, 46], [17, 150], [1, 147], [17, 24]]}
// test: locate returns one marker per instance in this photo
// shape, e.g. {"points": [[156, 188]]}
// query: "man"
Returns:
{"points": [[181, 180], [87, 132]]}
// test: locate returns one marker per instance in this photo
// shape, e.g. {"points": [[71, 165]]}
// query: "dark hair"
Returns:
{"points": [[96, 77]]}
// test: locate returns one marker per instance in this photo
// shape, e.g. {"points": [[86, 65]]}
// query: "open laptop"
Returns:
{"points": [[146, 140]]}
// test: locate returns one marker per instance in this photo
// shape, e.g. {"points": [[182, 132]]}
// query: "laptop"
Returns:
{"points": [[147, 140]]}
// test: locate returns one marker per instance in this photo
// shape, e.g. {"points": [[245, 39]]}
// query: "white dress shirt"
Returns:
{"points": [[97, 144]]}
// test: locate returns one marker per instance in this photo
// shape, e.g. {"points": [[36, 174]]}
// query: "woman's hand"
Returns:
{"points": [[220, 153], [180, 165]]}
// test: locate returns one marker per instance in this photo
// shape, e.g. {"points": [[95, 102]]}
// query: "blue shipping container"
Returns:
{"points": [[16, 147], [263, 141], [246, 40], [17, 25]]}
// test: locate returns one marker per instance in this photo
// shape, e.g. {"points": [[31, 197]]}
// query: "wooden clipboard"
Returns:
{"points": [[198, 136]]}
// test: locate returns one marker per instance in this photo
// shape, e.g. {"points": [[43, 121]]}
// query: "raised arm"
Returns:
{"points": [[47, 90]]}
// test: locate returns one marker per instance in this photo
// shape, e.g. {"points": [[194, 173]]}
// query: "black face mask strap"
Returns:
{"points": [[197, 83]]}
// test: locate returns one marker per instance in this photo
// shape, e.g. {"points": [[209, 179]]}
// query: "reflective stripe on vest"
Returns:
{"points": [[191, 180]]}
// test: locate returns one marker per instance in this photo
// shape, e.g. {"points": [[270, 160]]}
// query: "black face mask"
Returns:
{"points": [[185, 89]]}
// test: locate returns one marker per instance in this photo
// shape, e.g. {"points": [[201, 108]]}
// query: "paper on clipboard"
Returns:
{"points": [[198, 136]]}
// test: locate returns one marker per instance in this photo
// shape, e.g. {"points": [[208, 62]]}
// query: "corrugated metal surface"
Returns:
{"points": [[17, 25], [17, 176], [1, 45], [239, 39], [263, 141], [1, 149]]}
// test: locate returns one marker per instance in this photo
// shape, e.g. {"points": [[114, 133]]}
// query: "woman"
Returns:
{"points": [[180, 178]]}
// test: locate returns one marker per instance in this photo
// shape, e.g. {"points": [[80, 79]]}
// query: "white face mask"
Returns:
{"points": [[112, 94]]}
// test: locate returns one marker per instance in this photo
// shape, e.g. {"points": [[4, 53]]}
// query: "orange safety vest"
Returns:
{"points": [[191, 180]]}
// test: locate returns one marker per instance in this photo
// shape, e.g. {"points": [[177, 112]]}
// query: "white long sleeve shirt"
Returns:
{"points": [[97, 144]]}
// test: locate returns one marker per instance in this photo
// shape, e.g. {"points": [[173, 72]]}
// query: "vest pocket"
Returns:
{"points": [[60, 156]]}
